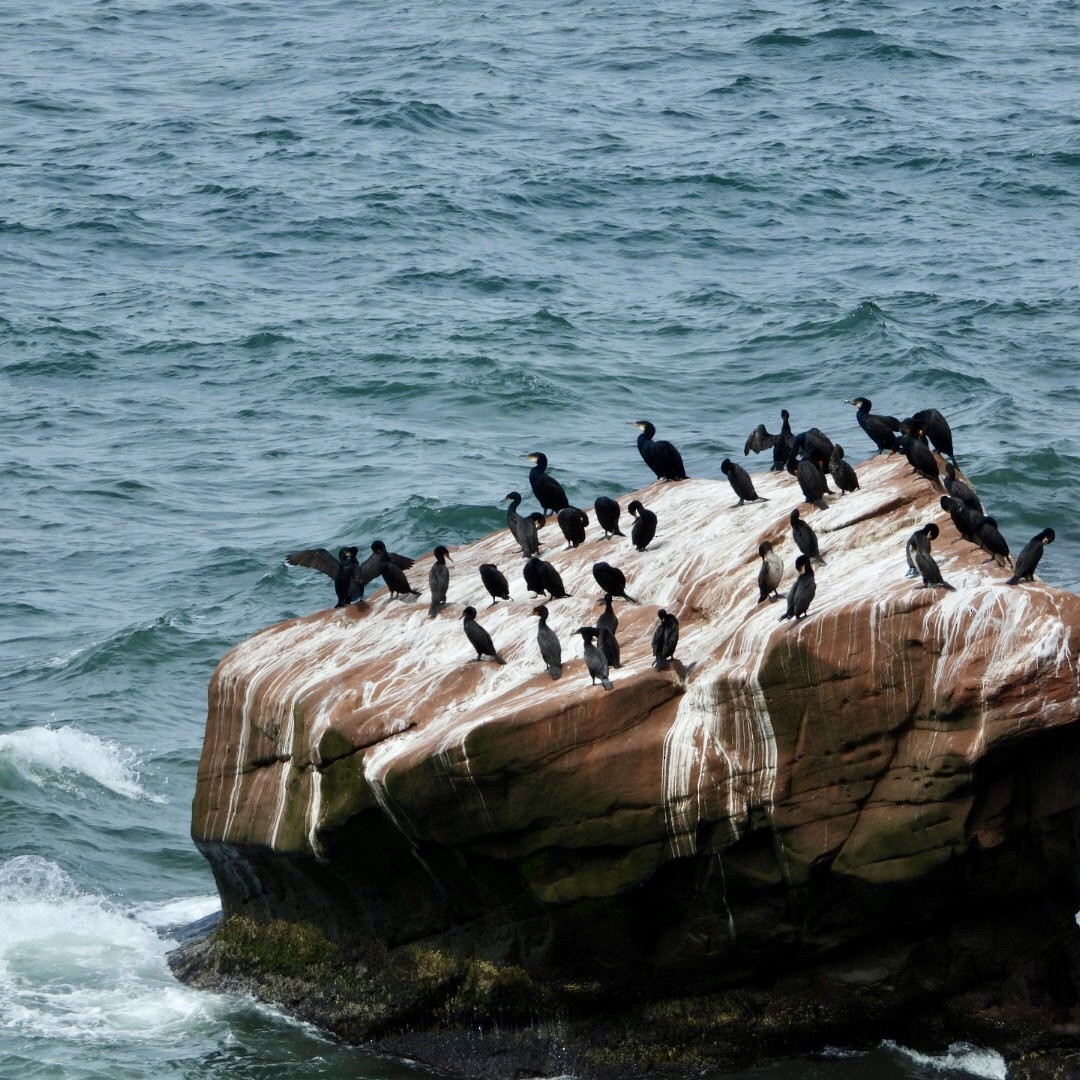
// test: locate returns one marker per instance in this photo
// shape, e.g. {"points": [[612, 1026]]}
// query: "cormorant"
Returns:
{"points": [[659, 455], [438, 580], [478, 637], [495, 582], [760, 439], [958, 489], [641, 535], [880, 428], [920, 457], [547, 639], [542, 577], [665, 638], [919, 540], [595, 660], [548, 491], [740, 482], [344, 570], [772, 570], [395, 578], [521, 528], [1029, 557], [371, 567], [842, 473], [611, 580], [811, 479], [966, 520], [607, 514], [937, 429], [573, 521], [814, 444], [805, 538], [929, 569], [989, 539], [802, 592], [607, 624]]}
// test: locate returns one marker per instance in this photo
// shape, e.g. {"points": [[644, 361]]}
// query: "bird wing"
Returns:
{"points": [[315, 559], [759, 439], [402, 562]]}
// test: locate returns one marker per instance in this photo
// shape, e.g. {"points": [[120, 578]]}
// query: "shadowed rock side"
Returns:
{"points": [[827, 798]]}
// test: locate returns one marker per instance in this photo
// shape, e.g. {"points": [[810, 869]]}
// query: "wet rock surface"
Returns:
{"points": [[856, 814]]}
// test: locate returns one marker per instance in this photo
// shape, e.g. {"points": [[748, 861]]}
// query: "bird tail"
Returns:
{"points": [[433, 610], [617, 531], [498, 659], [1014, 580], [554, 670], [627, 596], [605, 682]]}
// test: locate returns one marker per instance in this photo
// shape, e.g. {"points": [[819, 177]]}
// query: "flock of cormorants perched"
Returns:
{"points": [[810, 456]]}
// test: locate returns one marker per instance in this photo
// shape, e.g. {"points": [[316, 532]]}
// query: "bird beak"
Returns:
{"points": [[847, 402]]}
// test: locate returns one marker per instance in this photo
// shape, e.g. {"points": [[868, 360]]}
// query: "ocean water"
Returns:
{"points": [[277, 275]]}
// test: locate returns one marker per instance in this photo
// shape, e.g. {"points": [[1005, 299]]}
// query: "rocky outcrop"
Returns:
{"points": [[836, 801]]}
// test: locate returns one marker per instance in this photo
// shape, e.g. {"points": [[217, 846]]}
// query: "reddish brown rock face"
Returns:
{"points": [[898, 758]]}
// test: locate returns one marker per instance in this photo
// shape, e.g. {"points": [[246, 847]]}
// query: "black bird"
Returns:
{"points": [[612, 580], [989, 539], [760, 439], [740, 482], [495, 582], [805, 538], [478, 637], [641, 535], [919, 540], [521, 528], [548, 491], [966, 520], [607, 624], [344, 570], [660, 455], [937, 429], [881, 429], [842, 473], [548, 640], [395, 578], [371, 567], [607, 514], [542, 577], [814, 444], [1029, 557], [802, 592], [595, 660], [573, 521], [958, 489], [772, 570], [811, 479], [929, 569], [920, 456], [665, 638], [438, 580]]}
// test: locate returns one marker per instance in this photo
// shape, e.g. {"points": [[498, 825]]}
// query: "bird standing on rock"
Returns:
{"points": [[919, 540], [805, 538], [438, 580], [802, 592], [740, 482], [842, 473], [607, 516], [495, 582], [641, 535], [1029, 557], [344, 570], [958, 489], [595, 660], [612, 580], [522, 528], [881, 429], [547, 639], [478, 637], [660, 455], [607, 624], [573, 523], [665, 639], [548, 491], [541, 577], [772, 570]]}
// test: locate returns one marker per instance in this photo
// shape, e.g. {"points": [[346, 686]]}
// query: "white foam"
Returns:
{"points": [[74, 966], [68, 756], [960, 1057], [182, 911]]}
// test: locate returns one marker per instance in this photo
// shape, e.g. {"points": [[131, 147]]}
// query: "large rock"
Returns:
{"points": [[784, 796]]}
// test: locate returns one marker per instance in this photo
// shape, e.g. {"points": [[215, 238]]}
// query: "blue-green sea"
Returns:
{"points": [[279, 275]]}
